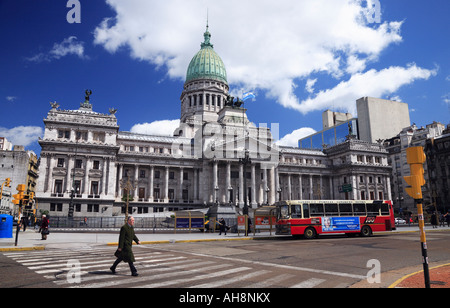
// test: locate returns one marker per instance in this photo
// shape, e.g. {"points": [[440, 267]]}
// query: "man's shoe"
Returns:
{"points": [[134, 274], [113, 270]]}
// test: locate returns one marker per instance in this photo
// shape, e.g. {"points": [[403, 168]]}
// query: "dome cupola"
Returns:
{"points": [[206, 64]]}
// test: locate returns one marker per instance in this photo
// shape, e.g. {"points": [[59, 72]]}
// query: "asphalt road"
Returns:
{"points": [[327, 262]]}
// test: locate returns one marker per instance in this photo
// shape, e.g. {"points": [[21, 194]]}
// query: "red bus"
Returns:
{"points": [[313, 217]]}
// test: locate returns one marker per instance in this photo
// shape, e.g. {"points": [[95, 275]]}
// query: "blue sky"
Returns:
{"points": [[299, 58]]}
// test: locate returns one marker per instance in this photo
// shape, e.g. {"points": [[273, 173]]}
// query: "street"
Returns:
{"points": [[328, 262]]}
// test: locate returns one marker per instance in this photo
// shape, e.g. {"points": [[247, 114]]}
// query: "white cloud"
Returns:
{"points": [[372, 83], [310, 85], [22, 135], [265, 47], [11, 99], [446, 98], [69, 46], [157, 128], [292, 138]]}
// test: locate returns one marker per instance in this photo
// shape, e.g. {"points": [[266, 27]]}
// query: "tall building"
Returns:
{"points": [[378, 119], [21, 167], [216, 156], [437, 150], [410, 136]]}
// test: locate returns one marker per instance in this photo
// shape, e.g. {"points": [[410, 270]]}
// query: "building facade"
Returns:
{"points": [[22, 168], [437, 150], [216, 156], [410, 136]]}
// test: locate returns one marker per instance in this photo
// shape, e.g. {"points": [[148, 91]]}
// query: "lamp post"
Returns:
{"points": [[127, 185], [245, 161], [72, 192]]}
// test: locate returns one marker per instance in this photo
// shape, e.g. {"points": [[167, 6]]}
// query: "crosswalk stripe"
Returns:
{"points": [[271, 281], [205, 276], [152, 277], [177, 265], [310, 283], [43, 260], [223, 282], [97, 264], [54, 263]]}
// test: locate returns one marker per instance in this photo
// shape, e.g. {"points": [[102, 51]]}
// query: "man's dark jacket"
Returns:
{"points": [[126, 239]]}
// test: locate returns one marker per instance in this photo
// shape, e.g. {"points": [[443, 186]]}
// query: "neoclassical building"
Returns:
{"points": [[200, 165]]}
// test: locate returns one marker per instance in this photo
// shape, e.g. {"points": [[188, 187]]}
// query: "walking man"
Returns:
{"points": [[124, 251]]}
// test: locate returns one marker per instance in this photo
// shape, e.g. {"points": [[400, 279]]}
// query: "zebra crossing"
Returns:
{"points": [[89, 268]]}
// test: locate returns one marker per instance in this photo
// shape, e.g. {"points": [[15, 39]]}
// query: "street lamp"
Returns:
{"points": [[245, 161], [127, 186], [72, 192]]}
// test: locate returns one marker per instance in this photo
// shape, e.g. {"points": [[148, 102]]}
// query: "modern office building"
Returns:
{"points": [[378, 119]]}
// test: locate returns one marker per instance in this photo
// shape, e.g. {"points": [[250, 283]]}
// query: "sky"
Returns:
{"points": [[299, 57]]}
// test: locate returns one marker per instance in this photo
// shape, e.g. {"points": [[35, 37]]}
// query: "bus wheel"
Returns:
{"points": [[366, 231], [310, 233]]}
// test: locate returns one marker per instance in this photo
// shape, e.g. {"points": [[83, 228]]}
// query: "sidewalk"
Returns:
{"points": [[439, 278], [31, 240]]}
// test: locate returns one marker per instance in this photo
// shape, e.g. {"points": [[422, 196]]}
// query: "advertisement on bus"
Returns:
{"points": [[340, 224]]}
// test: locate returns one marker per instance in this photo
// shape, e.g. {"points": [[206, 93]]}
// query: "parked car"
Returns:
{"points": [[399, 221]]}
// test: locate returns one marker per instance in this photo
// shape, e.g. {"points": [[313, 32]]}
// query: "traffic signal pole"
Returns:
{"points": [[415, 157], [18, 223], [18, 198], [423, 243]]}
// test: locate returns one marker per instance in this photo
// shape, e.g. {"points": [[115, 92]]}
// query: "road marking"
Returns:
{"points": [[222, 282], [152, 277], [205, 276], [307, 284], [178, 265], [271, 281], [289, 267]]}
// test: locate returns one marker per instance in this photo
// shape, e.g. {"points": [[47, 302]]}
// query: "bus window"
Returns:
{"points": [[385, 209], [359, 209], [331, 209], [373, 209], [316, 209], [305, 210], [296, 211], [345, 209], [283, 212]]}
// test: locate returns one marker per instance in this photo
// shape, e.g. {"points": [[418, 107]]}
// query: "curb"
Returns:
{"points": [[22, 248], [398, 281], [188, 241]]}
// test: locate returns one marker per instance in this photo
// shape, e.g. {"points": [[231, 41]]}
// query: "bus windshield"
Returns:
{"points": [[283, 212]]}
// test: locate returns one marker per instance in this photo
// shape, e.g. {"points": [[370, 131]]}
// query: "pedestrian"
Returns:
{"points": [[124, 252], [25, 223], [447, 218], [442, 220], [434, 222], [44, 227], [222, 226]]}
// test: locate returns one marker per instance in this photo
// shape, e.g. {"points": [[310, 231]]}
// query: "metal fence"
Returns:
{"points": [[155, 223], [110, 222]]}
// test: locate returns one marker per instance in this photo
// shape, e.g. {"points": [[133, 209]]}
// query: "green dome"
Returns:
{"points": [[206, 64]]}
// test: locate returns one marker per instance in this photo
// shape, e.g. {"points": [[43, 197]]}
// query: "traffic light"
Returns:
{"points": [[415, 158], [25, 199], [20, 195], [8, 182]]}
